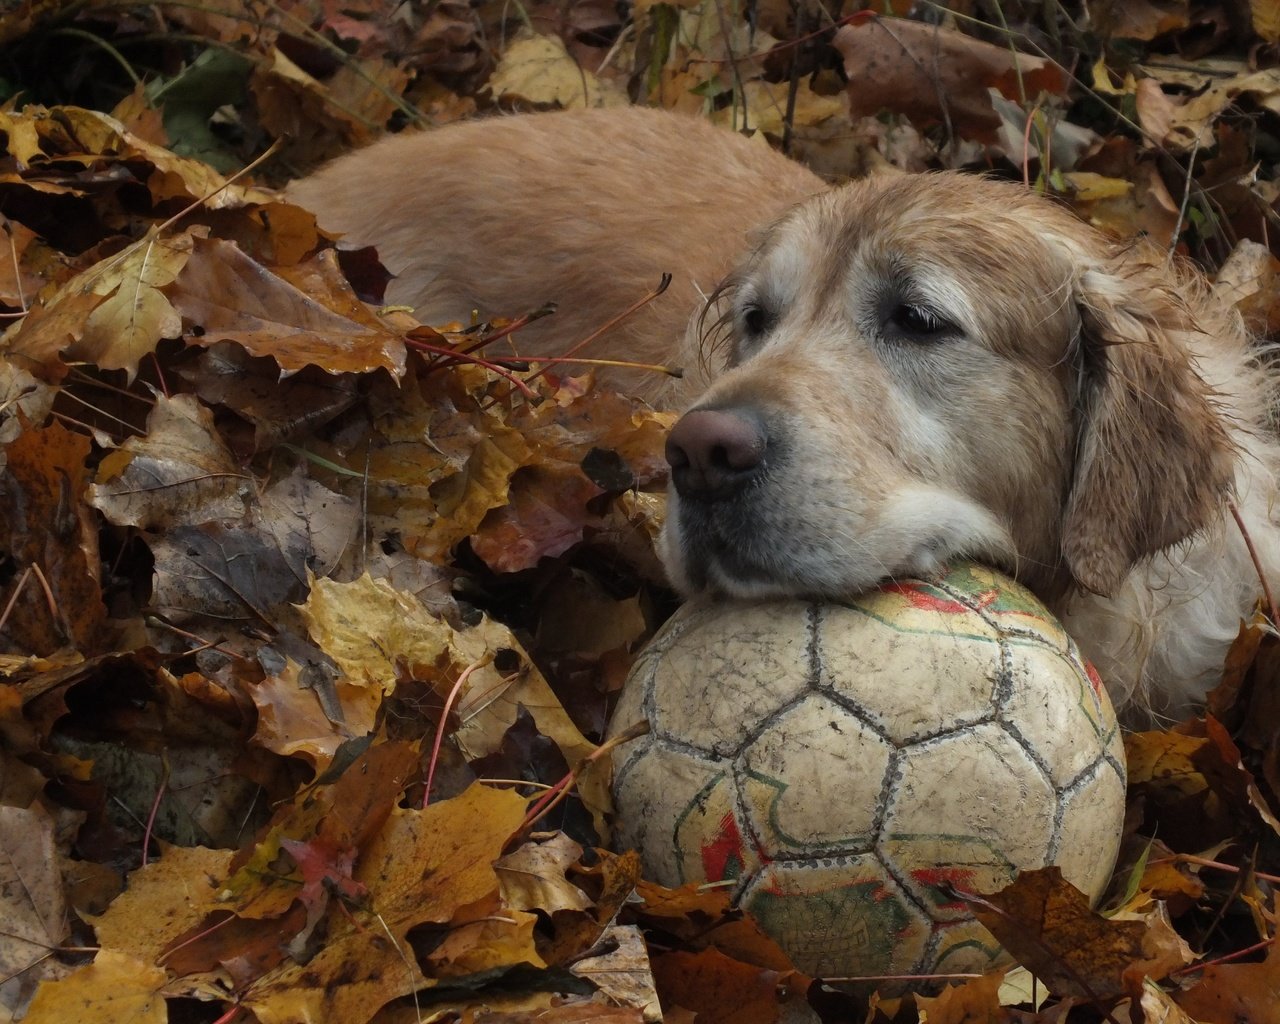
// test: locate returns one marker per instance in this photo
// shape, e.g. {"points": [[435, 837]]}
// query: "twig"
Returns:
{"points": [[1203, 862], [1257, 563], [1186, 197], [155, 806], [557, 793], [444, 722]]}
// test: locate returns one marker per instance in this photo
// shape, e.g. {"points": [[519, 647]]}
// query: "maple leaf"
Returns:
{"points": [[430, 865], [44, 525], [112, 314], [112, 989], [180, 473], [31, 903], [232, 297], [1046, 924], [1235, 992], [918, 69]]}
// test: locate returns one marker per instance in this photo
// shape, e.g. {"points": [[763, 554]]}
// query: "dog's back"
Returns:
{"points": [[484, 216]]}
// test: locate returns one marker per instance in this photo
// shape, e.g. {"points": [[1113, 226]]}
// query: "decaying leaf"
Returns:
{"points": [[180, 474], [112, 989], [933, 74], [538, 70], [32, 905], [1046, 924]]}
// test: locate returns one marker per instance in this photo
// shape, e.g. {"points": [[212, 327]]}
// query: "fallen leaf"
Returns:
{"points": [[1235, 992], [934, 74], [722, 990], [113, 989], [1046, 924], [31, 904], [164, 898], [533, 876], [230, 297], [968, 1002], [424, 866], [538, 70], [45, 524], [179, 474]]}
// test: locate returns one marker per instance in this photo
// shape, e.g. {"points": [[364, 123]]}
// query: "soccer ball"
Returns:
{"points": [[844, 766]]}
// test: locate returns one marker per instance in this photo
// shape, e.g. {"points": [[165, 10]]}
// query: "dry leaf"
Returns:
{"points": [[32, 906], [113, 989], [933, 74], [1045, 923], [538, 70], [179, 474]]}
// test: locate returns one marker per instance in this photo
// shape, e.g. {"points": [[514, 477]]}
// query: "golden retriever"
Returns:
{"points": [[917, 368]]}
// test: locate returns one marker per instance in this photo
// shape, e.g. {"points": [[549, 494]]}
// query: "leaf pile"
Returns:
{"points": [[311, 615]]}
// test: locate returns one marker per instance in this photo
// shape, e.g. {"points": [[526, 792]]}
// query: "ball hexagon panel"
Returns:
{"points": [[965, 947], [951, 806], [907, 688], [829, 915], [789, 797], [703, 696], [1058, 707], [680, 810], [1084, 847]]}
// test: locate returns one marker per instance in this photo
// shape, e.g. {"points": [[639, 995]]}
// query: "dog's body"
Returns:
{"points": [[919, 368]]}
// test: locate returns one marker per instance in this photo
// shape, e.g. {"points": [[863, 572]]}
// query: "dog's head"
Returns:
{"points": [[929, 367]]}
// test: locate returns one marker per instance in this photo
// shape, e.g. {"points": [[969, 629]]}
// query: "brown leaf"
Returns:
{"points": [[970, 1002], [293, 718], [706, 918], [533, 876], [180, 473], [1141, 19], [544, 515], [1236, 992], [723, 990], [1046, 924], [933, 74], [226, 375], [233, 298], [31, 903], [45, 524]]}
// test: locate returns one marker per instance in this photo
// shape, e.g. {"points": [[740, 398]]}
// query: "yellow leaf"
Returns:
{"points": [[1266, 19], [1089, 186], [163, 900], [538, 69], [425, 866], [114, 989]]}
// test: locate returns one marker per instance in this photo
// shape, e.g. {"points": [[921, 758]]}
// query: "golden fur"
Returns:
{"points": [[918, 368]]}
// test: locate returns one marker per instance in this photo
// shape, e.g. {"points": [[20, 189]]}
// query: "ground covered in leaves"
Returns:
{"points": [[312, 616]]}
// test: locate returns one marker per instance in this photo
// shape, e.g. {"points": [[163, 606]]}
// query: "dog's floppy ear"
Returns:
{"points": [[1154, 459]]}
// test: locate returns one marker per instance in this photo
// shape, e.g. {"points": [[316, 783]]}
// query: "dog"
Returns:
{"points": [[910, 369]]}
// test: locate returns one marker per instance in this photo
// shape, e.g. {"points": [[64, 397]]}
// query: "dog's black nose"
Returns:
{"points": [[714, 453]]}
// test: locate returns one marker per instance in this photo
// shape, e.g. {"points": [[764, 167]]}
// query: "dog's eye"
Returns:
{"points": [[755, 320], [919, 322]]}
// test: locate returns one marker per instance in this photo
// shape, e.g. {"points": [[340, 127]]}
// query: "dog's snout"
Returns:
{"points": [[713, 452]]}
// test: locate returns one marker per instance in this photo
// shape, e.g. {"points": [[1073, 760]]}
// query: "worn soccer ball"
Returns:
{"points": [[848, 767]]}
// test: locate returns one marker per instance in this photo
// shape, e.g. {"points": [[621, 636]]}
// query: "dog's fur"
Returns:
{"points": [[1076, 411]]}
